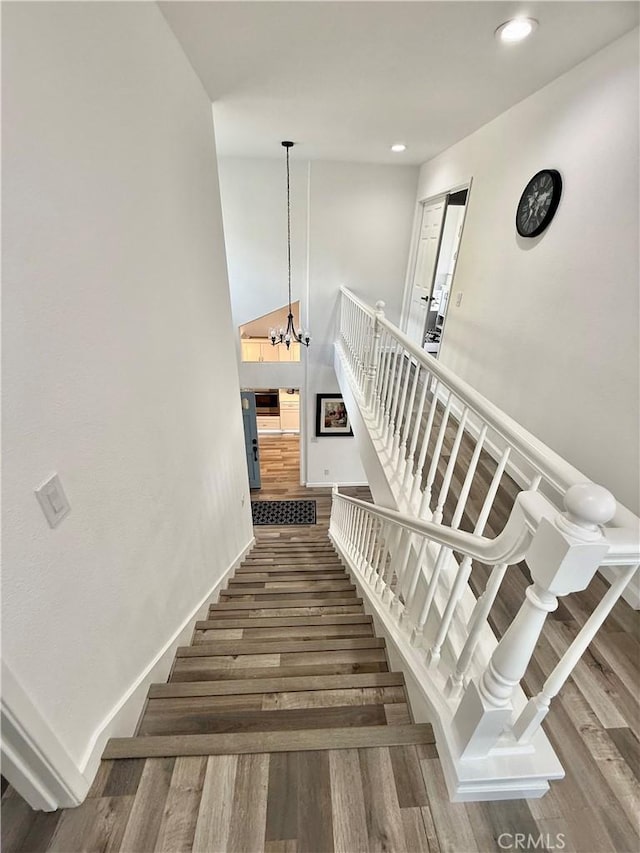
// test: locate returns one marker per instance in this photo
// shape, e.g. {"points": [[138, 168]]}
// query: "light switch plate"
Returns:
{"points": [[53, 501]]}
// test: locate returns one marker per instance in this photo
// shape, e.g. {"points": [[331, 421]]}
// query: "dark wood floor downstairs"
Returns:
{"points": [[366, 797]]}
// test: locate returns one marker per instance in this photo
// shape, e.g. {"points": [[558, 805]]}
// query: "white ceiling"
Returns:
{"points": [[345, 80]]}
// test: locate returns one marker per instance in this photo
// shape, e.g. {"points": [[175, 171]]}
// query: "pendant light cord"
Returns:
{"points": [[289, 228], [286, 336]]}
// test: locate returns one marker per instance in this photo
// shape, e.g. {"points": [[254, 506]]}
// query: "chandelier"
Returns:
{"points": [[285, 336]]}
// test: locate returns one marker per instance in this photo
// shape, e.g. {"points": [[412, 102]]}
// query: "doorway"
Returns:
{"points": [[272, 439], [441, 226]]}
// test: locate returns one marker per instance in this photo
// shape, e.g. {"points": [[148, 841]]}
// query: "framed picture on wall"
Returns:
{"points": [[331, 415]]}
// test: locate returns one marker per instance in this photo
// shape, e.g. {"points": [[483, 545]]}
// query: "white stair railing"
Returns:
{"points": [[415, 570], [411, 401]]}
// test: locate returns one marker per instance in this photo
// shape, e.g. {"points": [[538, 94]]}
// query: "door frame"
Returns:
{"points": [[415, 243], [455, 263]]}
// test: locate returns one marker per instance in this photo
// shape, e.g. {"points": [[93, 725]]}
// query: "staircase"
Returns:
{"points": [[286, 661]]}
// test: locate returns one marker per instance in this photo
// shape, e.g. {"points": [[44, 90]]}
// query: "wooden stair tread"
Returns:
{"points": [[159, 746], [286, 661], [219, 721], [284, 621], [275, 700], [270, 577], [302, 632], [201, 672], [319, 545], [280, 566], [314, 610], [310, 601], [247, 647], [277, 684]]}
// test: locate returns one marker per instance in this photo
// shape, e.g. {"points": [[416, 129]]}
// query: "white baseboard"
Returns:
{"points": [[37, 764]]}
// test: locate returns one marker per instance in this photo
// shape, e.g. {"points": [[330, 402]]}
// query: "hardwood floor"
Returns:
{"points": [[366, 797], [279, 464]]}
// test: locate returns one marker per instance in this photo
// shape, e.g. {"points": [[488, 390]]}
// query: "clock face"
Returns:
{"points": [[538, 203]]}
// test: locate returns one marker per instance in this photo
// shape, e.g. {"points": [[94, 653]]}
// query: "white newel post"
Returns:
{"points": [[563, 557], [374, 354]]}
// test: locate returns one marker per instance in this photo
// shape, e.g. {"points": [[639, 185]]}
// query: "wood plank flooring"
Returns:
{"points": [[362, 798]]}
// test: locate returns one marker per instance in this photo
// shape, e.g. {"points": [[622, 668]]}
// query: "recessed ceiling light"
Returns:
{"points": [[398, 147], [516, 30]]}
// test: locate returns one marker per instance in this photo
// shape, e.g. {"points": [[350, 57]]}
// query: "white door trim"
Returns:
{"points": [[415, 242]]}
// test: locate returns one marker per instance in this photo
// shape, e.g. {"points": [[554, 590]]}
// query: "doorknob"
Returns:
{"points": [[255, 454], [427, 298]]}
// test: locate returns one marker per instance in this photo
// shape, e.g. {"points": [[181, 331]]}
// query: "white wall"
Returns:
{"points": [[351, 224], [548, 328], [254, 209], [119, 367], [360, 228]]}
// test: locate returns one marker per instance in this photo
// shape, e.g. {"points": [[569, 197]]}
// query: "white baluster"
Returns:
{"points": [[437, 450], [347, 527], [446, 482], [416, 572], [391, 387], [386, 373], [563, 557], [408, 483], [417, 483], [464, 570], [477, 620], [400, 414], [395, 534], [408, 415], [364, 563], [362, 518], [376, 547], [361, 348], [381, 556], [538, 706], [398, 384], [374, 357], [403, 551]]}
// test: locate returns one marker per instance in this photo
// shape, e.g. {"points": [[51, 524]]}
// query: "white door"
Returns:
{"points": [[426, 258]]}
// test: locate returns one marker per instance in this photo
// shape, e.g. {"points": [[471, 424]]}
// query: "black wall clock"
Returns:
{"points": [[538, 203]]}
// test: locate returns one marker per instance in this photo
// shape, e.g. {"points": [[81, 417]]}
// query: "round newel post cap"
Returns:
{"points": [[380, 305], [589, 505]]}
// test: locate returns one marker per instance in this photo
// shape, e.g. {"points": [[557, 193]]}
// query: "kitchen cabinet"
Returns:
{"points": [[268, 422], [289, 411], [263, 350]]}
